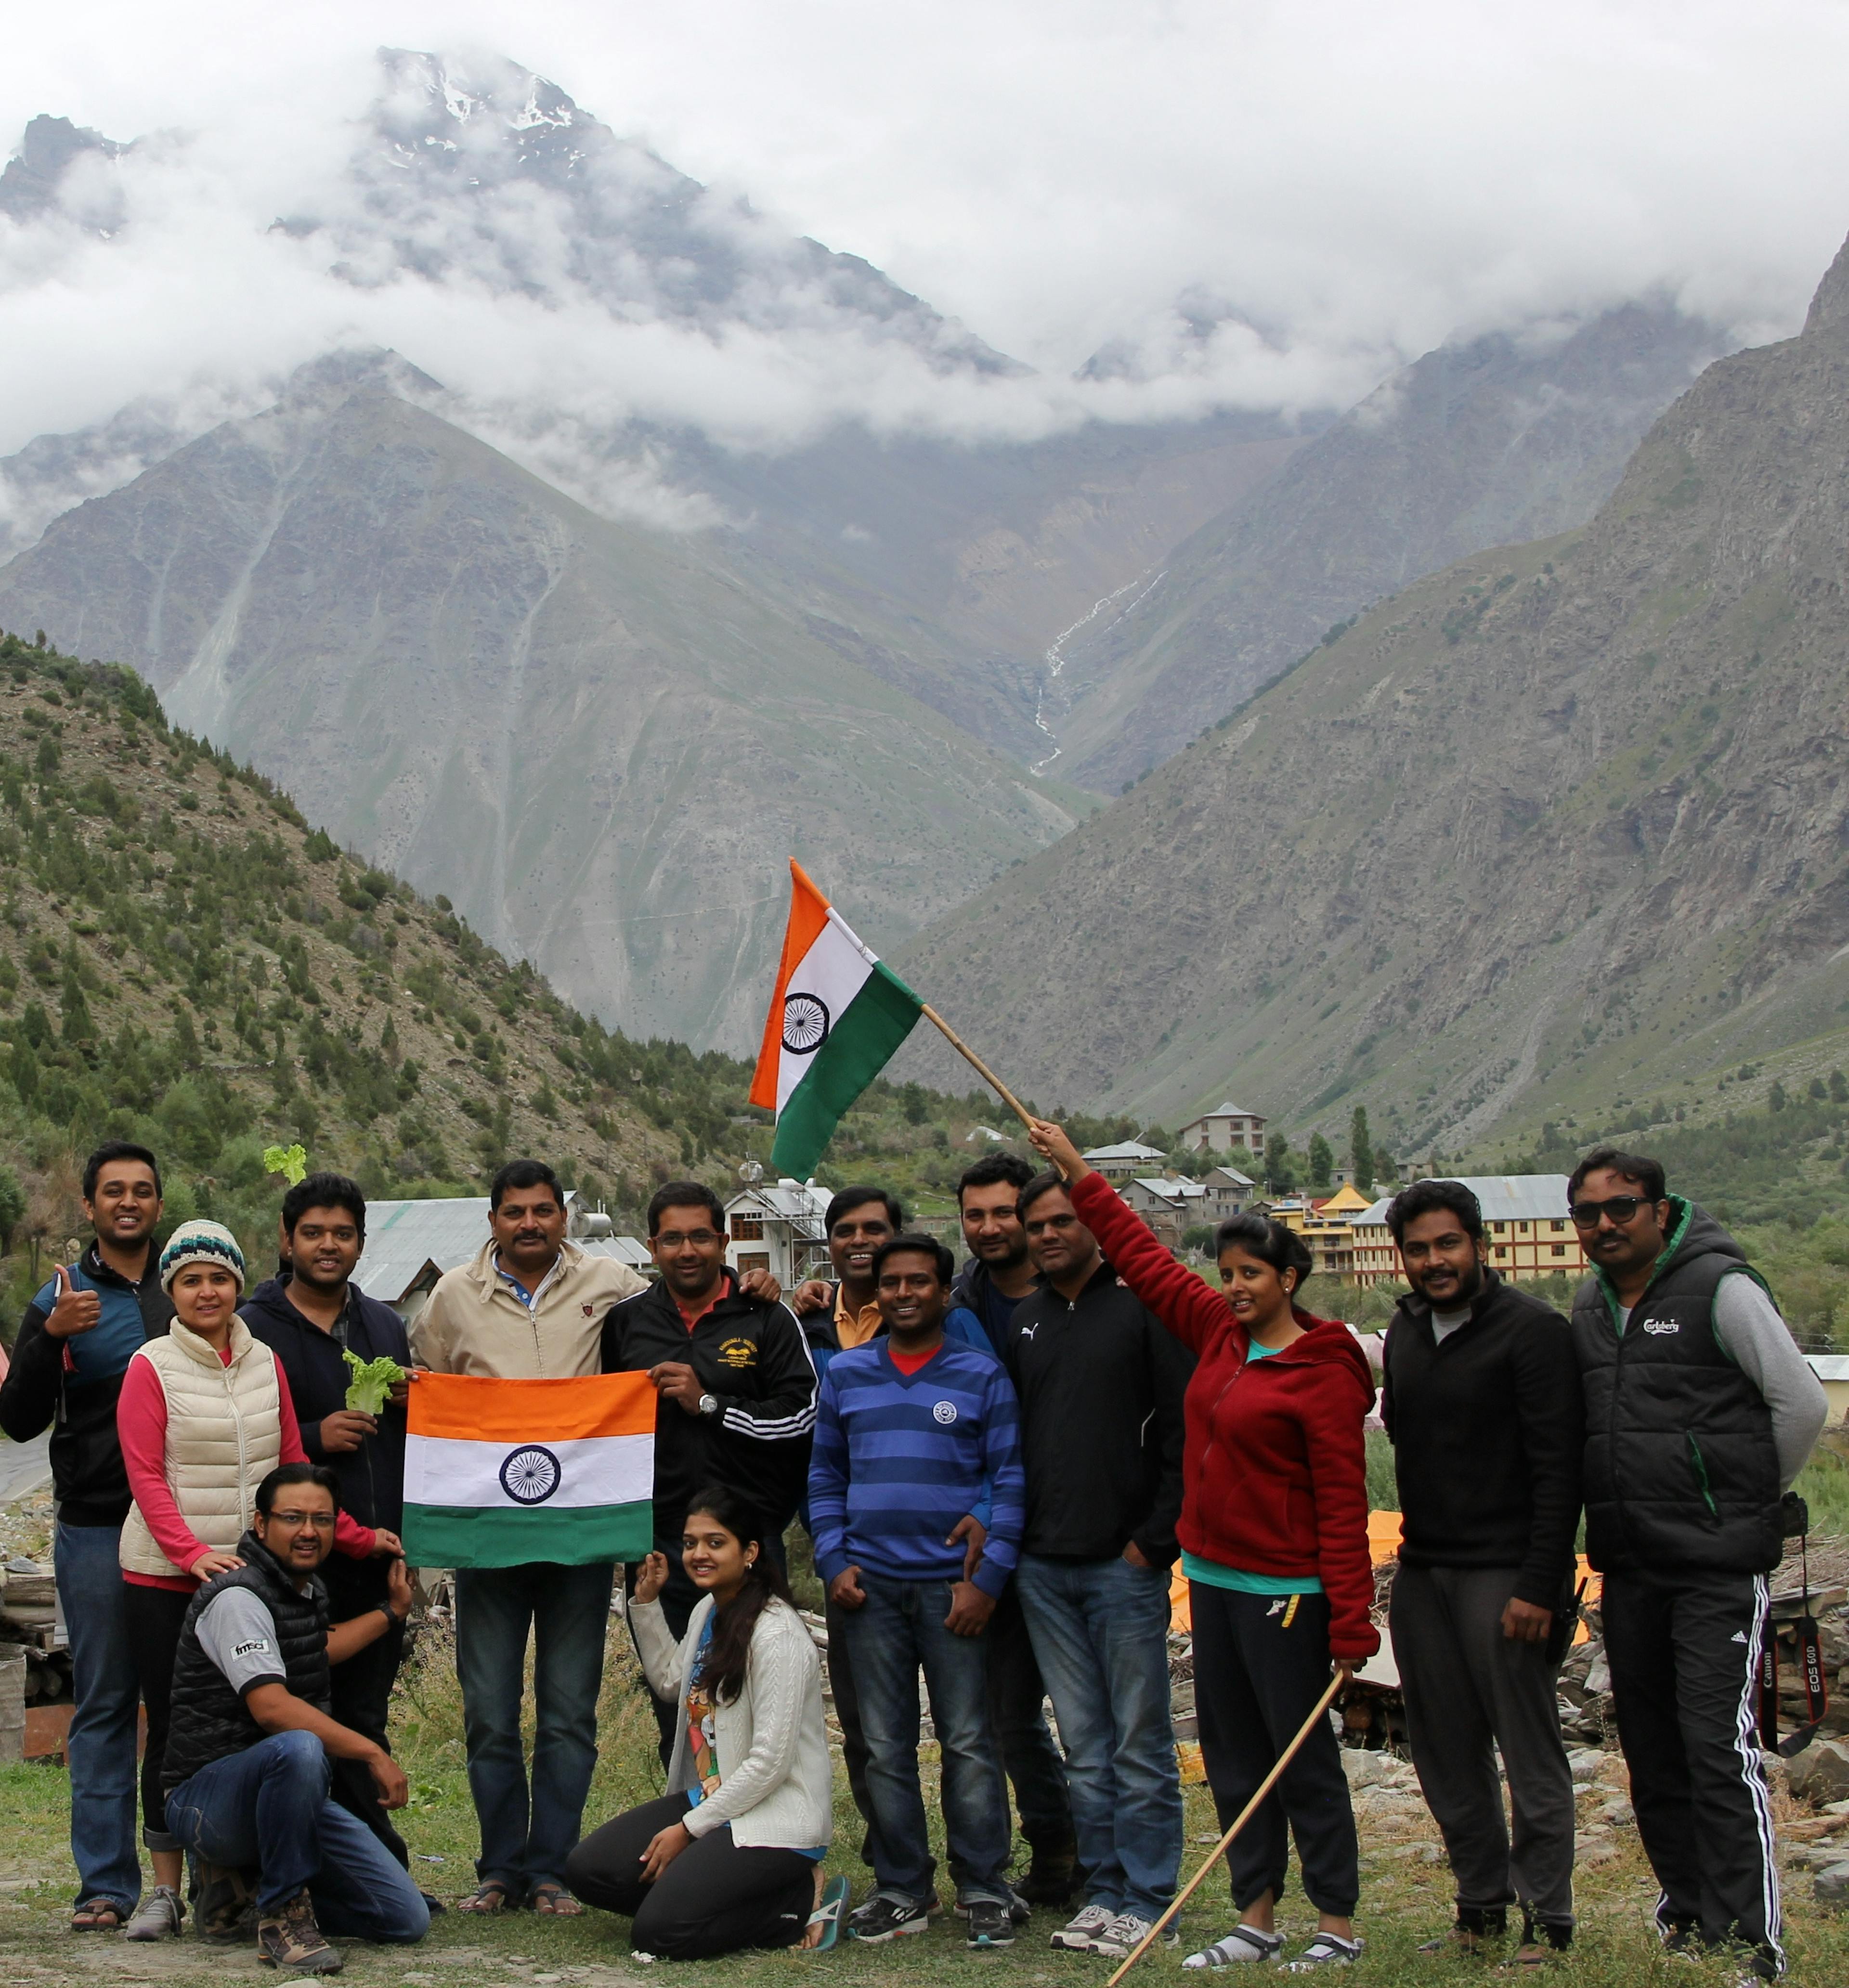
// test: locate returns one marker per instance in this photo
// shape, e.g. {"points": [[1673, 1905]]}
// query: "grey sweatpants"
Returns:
{"points": [[1468, 1689]]}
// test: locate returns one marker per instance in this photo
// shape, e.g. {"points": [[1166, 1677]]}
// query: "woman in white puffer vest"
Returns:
{"points": [[204, 1415]]}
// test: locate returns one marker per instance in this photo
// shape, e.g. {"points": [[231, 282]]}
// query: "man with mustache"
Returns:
{"points": [[1482, 1406]]}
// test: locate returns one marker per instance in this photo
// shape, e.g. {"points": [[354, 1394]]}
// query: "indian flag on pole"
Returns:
{"points": [[836, 1018], [500, 1473]]}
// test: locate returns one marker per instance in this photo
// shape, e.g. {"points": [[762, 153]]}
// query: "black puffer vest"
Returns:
{"points": [[209, 1720], [1681, 1471]]}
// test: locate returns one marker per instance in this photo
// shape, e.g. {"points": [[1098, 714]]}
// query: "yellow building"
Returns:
{"points": [[1525, 1222], [1327, 1225]]}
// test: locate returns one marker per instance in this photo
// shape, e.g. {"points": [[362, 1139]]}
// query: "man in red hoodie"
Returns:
{"points": [[1274, 1538]]}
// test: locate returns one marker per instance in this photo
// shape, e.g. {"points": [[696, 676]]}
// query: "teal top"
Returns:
{"points": [[1210, 1573]]}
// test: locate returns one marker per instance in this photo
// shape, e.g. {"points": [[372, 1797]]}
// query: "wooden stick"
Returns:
{"points": [[1240, 1822], [983, 1070]]}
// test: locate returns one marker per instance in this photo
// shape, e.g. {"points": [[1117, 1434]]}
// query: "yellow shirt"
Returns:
{"points": [[854, 1328]]}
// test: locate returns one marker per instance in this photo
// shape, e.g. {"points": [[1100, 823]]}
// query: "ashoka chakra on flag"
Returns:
{"points": [[507, 1473]]}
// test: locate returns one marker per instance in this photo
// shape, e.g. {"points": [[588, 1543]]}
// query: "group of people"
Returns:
{"points": [[999, 1469]]}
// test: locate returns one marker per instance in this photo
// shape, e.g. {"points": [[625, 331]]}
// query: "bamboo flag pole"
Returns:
{"points": [[1240, 1822], [981, 1069]]}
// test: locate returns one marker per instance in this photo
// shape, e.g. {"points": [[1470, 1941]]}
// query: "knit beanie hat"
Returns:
{"points": [[200, 1242]]}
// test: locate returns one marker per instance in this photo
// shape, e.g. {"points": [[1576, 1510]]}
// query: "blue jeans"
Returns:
{"points": [[899, 1628], [269, 1807], [1100, 1631], [567, 1609], [101, 1749]]}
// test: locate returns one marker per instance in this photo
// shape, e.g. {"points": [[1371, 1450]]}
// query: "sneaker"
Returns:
{"points": [[1244, 1943], [991, 1922], [1126, 1932], [158, 1916], [1327, 1949], [225, 1906], [1018, 1909], [887, 1916], [289, 1938], [1077, 1934]]}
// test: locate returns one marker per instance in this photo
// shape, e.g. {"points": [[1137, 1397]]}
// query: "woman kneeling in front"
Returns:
{"points": [[732, 1856]]}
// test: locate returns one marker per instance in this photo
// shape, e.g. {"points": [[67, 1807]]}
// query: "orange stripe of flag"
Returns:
{"points": [[808, 915], [475, 1408]]}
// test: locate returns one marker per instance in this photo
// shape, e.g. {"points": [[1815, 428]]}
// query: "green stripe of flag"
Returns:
{"points": [[860, 1045], [506, 1536]]}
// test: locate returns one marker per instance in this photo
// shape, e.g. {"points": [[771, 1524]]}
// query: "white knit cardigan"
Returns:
{"points": [[776, 1786]]}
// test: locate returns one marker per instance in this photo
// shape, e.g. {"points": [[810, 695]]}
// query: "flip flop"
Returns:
{"points": [[491, 1896], [828, 1915], [96, 1915], [553, 1901]]}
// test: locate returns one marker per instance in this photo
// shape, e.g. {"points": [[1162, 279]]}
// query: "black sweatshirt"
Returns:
{"points": [[1100, 1381], [1488, 1428], [71, 1387], [372, 1477], [752, 1357]]}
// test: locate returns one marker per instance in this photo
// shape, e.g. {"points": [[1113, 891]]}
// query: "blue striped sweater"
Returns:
{"points": [[899, 1460]]}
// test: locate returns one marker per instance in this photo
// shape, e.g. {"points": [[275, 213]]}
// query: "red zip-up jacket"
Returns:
{"points": [[1275, 1477]]}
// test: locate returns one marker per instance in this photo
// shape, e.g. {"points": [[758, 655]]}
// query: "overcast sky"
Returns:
{"points": [[1358, 181]]}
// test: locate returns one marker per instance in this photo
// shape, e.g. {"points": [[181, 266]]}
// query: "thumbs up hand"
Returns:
{"points": [[75, 1311]]}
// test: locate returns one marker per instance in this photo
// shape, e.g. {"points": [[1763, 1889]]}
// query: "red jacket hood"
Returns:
{"points": [[1325, 1339]]}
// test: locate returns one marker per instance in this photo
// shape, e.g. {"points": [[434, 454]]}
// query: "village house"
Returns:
{"points": [[1525, 1222], [1229, 1128], [1124, 1161], [777, 1226], [1327, 1223]]}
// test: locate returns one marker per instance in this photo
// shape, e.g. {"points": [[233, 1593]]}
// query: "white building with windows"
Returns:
{"points": [[777, 1226], [1124, 1161], [1229, 1128]]}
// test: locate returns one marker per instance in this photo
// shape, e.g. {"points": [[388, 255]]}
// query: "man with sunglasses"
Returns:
{"points": [[1700, 1412]]}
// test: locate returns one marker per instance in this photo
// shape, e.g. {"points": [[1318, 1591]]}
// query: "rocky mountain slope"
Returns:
{"points": [[601, 740], [1490, 443], [1559, 827]]}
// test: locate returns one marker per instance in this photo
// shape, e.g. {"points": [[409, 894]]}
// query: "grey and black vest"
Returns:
{"points": [[1681, 1471], [209, 1719]]}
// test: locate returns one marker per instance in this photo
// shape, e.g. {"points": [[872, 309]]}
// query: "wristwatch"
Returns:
{"points": [[709, 1405]]}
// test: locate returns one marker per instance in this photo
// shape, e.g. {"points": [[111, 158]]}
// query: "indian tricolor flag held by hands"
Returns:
{"points": [[503, 1473], [836, 1019]]}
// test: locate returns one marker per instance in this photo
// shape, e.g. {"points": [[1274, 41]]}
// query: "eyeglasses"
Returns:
{"points": [[1620, 1207], [322, 1522], [702, 1238]]}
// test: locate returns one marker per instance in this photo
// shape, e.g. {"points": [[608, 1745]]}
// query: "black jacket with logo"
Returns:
{"points": [[1682, 1468], [752, 1357], [1101, 1382], [210, 1721], [1488, 1431]]}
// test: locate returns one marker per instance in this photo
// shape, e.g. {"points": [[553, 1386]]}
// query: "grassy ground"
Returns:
{"points": [[1405, 1900]]}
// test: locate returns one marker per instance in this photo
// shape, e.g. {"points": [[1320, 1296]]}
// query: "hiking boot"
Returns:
{"points": [[991, 1923], [157, 1916], [225, 1905], [289, 1938]]}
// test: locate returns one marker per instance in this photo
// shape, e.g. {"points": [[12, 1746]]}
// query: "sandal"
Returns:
{"points": [[492, 1895], [1243, 1944], [553, 1901], [97, 1915], [828, 1915], [1327, 1949]]}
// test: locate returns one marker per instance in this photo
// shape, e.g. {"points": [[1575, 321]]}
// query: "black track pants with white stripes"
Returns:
{"points": [[1683, 1649]]}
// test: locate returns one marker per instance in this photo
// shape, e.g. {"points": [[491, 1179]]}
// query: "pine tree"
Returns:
{"points": [[1322, 1162], [1361, 1150]]}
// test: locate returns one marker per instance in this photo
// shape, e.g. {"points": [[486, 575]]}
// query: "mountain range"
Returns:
{"points": [[594, 677], [1561, 830]]}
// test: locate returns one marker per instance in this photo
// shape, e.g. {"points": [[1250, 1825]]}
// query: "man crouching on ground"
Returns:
{"points": [[246, 1772]]}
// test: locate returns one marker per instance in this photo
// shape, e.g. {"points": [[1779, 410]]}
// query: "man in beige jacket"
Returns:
{"points": [[530, 1306]]}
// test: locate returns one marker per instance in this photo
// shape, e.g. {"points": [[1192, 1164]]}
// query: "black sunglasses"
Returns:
{"points": [[1620, 1207]]}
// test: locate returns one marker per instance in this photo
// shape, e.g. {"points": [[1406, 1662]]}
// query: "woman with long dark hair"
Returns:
{"points": [[730, 1857], [1274, 1538]]}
